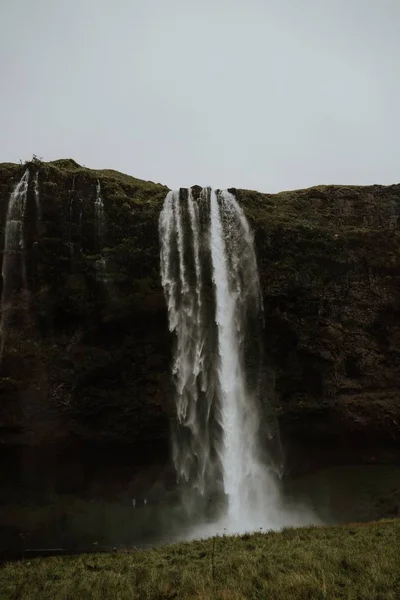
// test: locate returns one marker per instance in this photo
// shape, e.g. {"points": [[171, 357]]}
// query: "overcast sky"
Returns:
{"points": [[261, 94]]}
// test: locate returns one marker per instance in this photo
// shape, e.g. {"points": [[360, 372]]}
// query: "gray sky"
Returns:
{"points": [[261, 94]]}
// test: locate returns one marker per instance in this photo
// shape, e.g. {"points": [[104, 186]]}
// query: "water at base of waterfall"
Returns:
{"points": [[211, 284]]}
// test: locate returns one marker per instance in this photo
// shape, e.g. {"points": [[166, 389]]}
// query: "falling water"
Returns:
{"points": [[37, 198], [13, 268], [70, 242], [101, 263], [183, 290], [99, 214], [210, 279]]}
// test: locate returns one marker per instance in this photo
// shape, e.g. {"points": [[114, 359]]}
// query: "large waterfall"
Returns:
{"points": [[13, 267], [211, 283]]}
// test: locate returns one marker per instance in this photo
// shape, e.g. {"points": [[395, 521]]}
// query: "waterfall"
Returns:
{"points": [[99, 214], [101, 263], [70, 242], [211, 284], [37, 198], [13, 267], [181, 274]]}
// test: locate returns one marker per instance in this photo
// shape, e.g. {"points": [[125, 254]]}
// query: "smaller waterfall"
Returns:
{"points": [[80, 226], [37, 198], [14, 235], [99, 214], [101, 263], [13, 267]]}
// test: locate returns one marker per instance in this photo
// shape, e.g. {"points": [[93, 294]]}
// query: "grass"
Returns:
{"points": [[352, 562]]}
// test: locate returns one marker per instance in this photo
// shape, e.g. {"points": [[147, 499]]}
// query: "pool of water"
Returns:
{"points": [[351, 493], [334, 495]]}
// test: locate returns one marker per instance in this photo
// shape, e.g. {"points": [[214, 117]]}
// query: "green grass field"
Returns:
{"points": [[360, 561]]}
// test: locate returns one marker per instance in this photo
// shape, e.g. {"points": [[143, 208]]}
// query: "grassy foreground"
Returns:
{"points": [[353, 562]]}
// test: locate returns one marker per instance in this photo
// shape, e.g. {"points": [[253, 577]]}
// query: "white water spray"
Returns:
{"points": [[99, 214], [181, 279], [37, 198], [13, 267], [210, 279]]}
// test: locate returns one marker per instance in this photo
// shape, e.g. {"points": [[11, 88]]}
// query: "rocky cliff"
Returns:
{"points": [[87, 354]]}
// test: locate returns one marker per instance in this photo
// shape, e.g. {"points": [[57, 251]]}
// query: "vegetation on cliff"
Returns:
{"points": [[353, 562]]}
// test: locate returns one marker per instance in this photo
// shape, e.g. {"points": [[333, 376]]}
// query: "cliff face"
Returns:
{"points": [[87, 353], [329, 259]]}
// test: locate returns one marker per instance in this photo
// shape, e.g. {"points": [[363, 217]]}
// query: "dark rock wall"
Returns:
{"points": [[329, 259], [87, 356]]}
